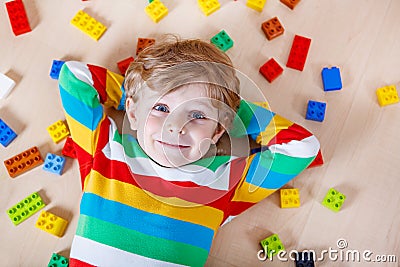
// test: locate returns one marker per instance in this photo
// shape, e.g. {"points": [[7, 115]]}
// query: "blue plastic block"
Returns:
{"points": [[55, 69], [6, 134], [315, 111], [54, 163], [331, 79], [222, 41], [305, 259]]}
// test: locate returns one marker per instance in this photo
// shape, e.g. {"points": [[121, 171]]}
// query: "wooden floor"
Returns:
{"points": [[360, 140]]}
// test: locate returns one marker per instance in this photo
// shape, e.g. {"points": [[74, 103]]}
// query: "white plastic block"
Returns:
{"points": [[6, 84]]}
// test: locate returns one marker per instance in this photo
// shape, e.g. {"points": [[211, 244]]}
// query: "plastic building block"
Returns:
{"points": [[331, 79], [54, 163], [58, 131], [333, 200], [51, 223], [7, 135], [55, 69], [208, 6], [318, 161], [272, 245], [156, 10], [387, 95], [272, 28], [305, 259], [88, 25], [290, 198], [6, 85], [290, 3], [315, 111], [123, 65], [18, 18], [23, 162], [142, 43], [222, 41], [58, 261], [68, 149], [271, 70], [256, 4], [298, 52], [25, 208]]}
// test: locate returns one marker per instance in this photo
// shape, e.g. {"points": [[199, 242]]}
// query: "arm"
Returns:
{"points": [[287, 149], [85, 91]]}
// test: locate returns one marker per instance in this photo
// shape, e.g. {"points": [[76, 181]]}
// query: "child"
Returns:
{"points": [[158, 199]]}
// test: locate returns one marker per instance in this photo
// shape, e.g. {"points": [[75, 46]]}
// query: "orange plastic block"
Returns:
{"points": [[290, 198], [387, 95], [290, 3], [272, 28], [88, 25], [58, 131], [208, 6], [142, 43], [51, 223], [256, 4], [23, 162], [156, 10], [123, 65]]}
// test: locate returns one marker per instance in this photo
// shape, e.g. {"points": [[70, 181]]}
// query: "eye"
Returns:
{"points": [[198, 115], [161, 108]]}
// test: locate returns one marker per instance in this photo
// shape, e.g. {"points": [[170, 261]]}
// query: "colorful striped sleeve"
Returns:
{"points": [[86, 90], [288, 149]]}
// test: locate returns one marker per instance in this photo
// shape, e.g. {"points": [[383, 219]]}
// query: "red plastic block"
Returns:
{"points": [[18, 18], [68, 149], [124, 64], [271, 70], [298, 52], [143, 43], [272, 28], [23, 162], [318, 161], [290, 3]]}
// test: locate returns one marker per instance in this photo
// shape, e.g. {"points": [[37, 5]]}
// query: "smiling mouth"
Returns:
{"points": [[172, 145]]}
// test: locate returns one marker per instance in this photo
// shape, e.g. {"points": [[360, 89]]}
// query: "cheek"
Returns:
{"points": [[152, 125], [202, 131]]}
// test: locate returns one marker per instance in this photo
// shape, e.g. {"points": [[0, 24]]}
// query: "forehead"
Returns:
{"points": [[187, 92]]}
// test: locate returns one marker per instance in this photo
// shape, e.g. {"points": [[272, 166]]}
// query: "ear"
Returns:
{"points": [[218, 133], [131, 112]]}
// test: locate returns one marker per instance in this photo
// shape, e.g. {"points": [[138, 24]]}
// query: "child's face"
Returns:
{"points": [[176, 128]]}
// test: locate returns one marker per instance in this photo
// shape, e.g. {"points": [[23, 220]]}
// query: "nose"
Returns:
{"points": [[174, 128]]}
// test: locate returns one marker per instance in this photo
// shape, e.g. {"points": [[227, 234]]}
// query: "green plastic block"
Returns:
{"points": [[272, 245], [26, 208], [58, 261], [222, 41], [333, 200]]}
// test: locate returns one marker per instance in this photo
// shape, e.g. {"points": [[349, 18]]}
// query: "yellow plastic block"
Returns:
{"points": [[290, 198], [51, 223], [88, 25], [256, 4], [208, 6], [58, 131], [156, 10], [387, 95]]}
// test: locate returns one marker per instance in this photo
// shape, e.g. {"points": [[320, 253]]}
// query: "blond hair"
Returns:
{"points": [[172, 62]]}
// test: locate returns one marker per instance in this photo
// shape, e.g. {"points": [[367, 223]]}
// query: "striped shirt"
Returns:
{"points": [[134, 212]]}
